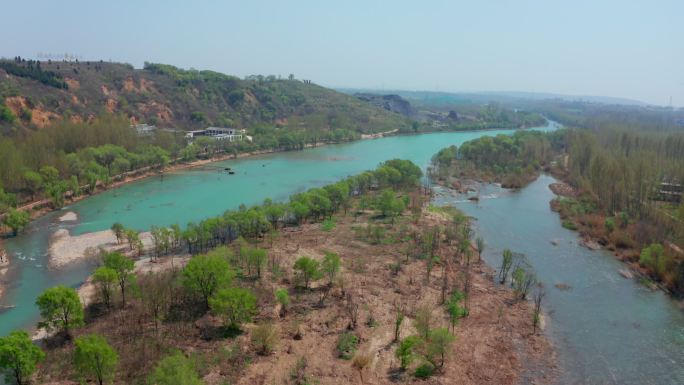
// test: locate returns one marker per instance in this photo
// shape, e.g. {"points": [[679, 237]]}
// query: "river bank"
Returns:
{"points": [[65, 249], [41, 207], [601, 232]]}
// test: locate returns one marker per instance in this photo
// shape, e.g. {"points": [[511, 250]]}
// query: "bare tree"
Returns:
{"points": [[445, 279], [400, 312], [423, 319], [155, 289], [466, 290], [429, 264], [539, 294], [360, 361], [352, 309]]}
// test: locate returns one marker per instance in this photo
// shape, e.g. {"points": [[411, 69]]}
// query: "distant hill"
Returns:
{"points": [[37, 94], [443, 112], [437, 98]]}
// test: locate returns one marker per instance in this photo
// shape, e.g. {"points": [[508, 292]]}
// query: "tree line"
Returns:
{"points": [[253, 223], [31, 69], [512, 160], [620, 174], [76, 158]]}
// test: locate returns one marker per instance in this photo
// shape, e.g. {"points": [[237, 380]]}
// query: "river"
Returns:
{"points": [[587, 328], [607, 329]]}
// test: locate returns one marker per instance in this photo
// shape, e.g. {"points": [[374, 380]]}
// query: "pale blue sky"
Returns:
{"points": [[622, 48]]}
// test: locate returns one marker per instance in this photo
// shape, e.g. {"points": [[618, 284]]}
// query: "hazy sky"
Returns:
{"points": [[623, 48]]}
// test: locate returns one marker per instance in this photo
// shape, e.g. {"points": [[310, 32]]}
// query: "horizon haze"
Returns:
{"points": [[615, 49]]}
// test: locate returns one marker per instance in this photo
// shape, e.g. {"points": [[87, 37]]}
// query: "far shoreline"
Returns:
{"points": [[41, 207]]}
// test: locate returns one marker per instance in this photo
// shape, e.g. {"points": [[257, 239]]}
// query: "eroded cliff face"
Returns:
{"points": [[393, 103]]}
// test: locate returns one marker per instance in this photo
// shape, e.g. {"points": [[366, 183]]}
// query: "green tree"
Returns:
{"points": [[480, 243], [158, 240], [205, 274], [300, 211], [256, 259], [123, 268], [651, 256], [95, 358], [60, 307], [56, 191], [49, 174], [506, 264], [33, 182], [523, 279], [16, 220], [19, 356], [438, 344], [74, 186], [454, 309], [406, 351], [6, 114], [274, 212], [389, 205], [119, 231], [105, 279], [176, 234], [132, 237], [282, 297], [175, 369], [308, 268], [235, 305], [7, 200], [330, 266]]}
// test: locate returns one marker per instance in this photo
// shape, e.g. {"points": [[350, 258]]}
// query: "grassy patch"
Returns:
{"points": [[645, 281], [328, 225], [347, 344], [570, 225]]}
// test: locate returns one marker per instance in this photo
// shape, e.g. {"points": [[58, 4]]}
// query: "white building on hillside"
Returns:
{"points": [[144, 129], [218, 133]]}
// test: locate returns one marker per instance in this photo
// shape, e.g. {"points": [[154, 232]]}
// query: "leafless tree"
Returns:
{"points": [[352, 309], [400, 314], [539, 294]]}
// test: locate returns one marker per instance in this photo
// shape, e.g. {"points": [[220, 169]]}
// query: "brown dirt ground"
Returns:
{"points": [[494, 344]]}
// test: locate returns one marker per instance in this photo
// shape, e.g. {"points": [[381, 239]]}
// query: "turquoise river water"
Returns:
{"points": [[607, 329]]}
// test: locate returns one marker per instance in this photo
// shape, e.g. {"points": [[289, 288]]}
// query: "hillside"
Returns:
{"points": [[394, 103], [38, 94]]}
